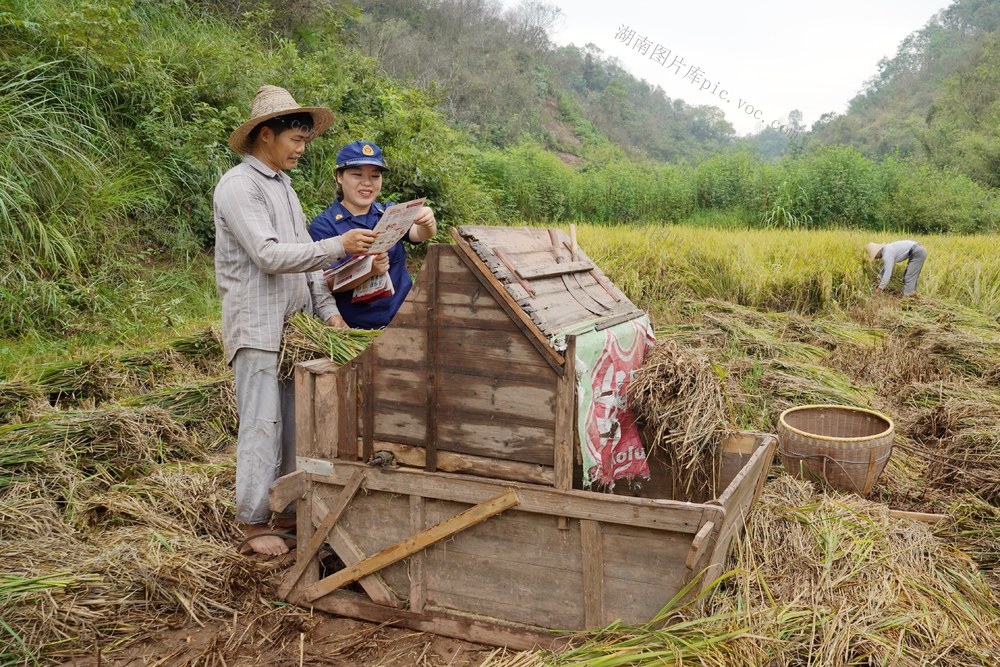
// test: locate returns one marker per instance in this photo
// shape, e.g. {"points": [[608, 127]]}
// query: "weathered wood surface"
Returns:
{"points": [[593, 573], [413, 544], [736, 500], [514, 310], [620, 558], [306, 553], [641, 512], [350, 553], [556, 290], [447, 624], [454, 462]]}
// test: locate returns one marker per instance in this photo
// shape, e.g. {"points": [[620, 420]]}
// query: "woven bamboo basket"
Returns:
{"points": [[844, 447]]}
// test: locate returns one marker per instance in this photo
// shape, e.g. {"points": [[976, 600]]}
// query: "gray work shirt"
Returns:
{"points": [[892, 253], [266, 265]]}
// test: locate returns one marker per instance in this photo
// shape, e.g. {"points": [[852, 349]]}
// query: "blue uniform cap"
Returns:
{"points": [[360, 152]]}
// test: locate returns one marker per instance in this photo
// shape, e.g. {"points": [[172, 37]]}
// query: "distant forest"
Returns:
{"points": [[499, 76]]}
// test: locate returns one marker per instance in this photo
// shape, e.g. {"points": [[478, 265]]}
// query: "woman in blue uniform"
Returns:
{"points": [[359, 181]]}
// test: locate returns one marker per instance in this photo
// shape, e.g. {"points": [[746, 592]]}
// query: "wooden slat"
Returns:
{"points": [[540, 595], [400, 347], [486, 277], [593, 573], [286, 489], [513, 272], [306, 554], [698, 545], [397, 552], [326, 415], [434, 354], [350, 553], [555, 270], [667, 515], [483, 631], [347, 408], [535, 402], [418, 574], [455, 462], [305, 432], [489, 349], [368, 388], [503, 439], [565, 423]]}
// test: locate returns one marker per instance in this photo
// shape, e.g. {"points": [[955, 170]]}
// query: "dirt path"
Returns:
{"points": [[322, 640]]}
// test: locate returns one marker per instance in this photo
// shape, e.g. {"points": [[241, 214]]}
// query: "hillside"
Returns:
{"points": [[500, 77], [937, 98]]}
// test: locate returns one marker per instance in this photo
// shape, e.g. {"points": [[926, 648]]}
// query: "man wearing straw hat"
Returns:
{"points": [[267, 268], [891, 254]]}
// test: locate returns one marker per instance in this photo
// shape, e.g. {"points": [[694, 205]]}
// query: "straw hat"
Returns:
{"points": [[270, 102], [873, 249]]}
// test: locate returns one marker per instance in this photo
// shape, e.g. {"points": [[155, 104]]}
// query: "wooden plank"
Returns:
{"points": [[454, 462], [644, 557], [326, 415], [565, 425], [418, 574], [593, 573], [434, 354], [539, 595], [305, 433], [513, 271], [368, 388], [555, 270], [668, 515], [401, 424], [308, 552], [502, 372], [496, 439], [490, 349], [400, 347], [403, 385], [534, 401], [482, 631], [303, 533], [350, 553], [397, 552], [485, 276], [480, 314], [698, 545], [347, 408], [287, 489], [521, 538]]}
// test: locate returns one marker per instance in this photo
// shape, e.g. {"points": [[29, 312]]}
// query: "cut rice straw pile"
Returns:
{"points": [[677, 396]]}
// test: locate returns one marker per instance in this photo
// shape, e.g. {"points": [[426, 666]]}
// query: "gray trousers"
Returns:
{"points": [[265, 445], [915, 262]]}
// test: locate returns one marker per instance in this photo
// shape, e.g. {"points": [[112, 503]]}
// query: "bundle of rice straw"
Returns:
{"points": [[306, 338], [677, 398], [18, 400]]}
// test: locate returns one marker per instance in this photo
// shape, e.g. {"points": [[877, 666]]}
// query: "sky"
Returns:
{"points": [[762, 59]]}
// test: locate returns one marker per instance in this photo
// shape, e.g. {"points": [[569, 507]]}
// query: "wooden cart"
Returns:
{"points": [[439, 464]]}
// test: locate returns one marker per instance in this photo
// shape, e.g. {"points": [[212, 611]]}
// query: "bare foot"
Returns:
{"points": [[266, 544]]}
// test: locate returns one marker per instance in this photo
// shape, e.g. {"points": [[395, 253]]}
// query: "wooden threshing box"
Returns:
{"points": [[475, 529]]}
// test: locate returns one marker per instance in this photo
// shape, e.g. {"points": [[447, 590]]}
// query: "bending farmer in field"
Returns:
{"points": [[359, 182], [891, 254], [266, 268]]}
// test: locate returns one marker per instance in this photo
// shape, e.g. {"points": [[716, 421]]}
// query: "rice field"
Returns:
{"points": [[116, 474]]}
